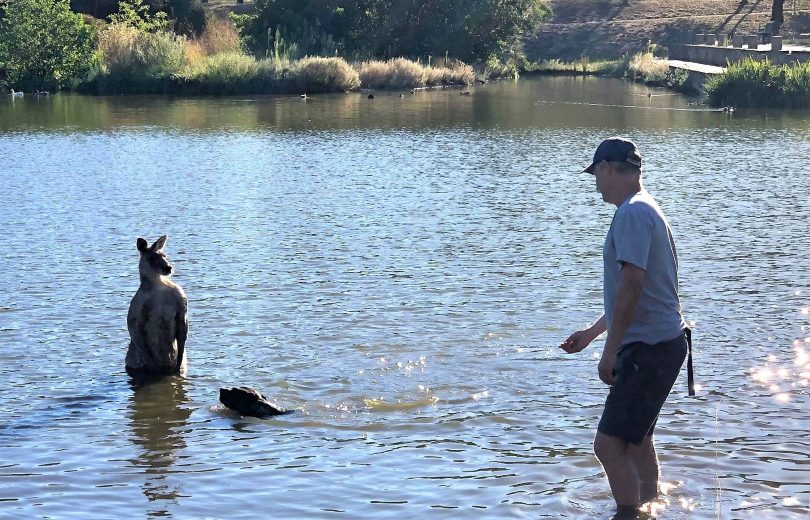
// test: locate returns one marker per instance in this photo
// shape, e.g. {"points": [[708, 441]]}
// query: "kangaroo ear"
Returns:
{"points": [[159, 243], [142, 245]]}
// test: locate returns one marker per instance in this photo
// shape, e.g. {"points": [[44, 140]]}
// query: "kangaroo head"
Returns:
{"points": [[153, 261]]}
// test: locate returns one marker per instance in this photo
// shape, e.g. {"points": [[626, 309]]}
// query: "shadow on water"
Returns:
{"points": [[158, 414]]}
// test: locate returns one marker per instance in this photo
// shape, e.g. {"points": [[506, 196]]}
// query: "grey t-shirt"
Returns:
{"points": [[640, 235]]}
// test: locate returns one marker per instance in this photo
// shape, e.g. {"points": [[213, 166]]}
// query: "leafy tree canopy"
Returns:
{"points": [[43, 45], [137, 14], [470, 30]]}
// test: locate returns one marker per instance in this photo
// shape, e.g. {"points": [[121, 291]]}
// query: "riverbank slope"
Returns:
{"points": [[610, 28]]}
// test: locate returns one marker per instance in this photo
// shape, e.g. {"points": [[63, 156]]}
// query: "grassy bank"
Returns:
{"points": [[136, 62], [612, 68], [761, 84], [643, 67]]}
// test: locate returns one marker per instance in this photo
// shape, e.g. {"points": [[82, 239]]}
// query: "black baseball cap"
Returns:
{"points": [[616, 149]]}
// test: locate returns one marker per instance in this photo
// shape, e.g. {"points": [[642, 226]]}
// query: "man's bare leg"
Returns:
{"points": [[614, 455], [646, 463]]}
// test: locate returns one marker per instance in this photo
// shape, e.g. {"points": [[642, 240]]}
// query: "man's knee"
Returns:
{"points": [[608, 448]]}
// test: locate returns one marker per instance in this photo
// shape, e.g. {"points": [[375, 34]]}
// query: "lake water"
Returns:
{"points": [[399, 271]]}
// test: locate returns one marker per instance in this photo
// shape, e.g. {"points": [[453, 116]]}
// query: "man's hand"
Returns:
{"points": [[606, 365], [582, 338], [577, 341]]}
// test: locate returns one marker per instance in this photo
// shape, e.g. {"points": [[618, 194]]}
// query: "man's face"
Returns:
{"points": [[601, 172]]}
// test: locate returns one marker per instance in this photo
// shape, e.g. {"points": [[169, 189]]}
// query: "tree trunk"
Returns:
{"points": [[778, 11]]}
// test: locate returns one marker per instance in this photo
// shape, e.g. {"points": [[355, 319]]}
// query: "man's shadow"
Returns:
{"points": [[158, 415]]}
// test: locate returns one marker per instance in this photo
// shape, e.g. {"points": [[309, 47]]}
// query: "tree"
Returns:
{"points": [[466, 29], [43, 45], [778, 11], [303, 25], [138, 15], [188, 16], [470, 30]]}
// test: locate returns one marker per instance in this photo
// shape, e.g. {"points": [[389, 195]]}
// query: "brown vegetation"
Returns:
{"points": [[401, 73]]}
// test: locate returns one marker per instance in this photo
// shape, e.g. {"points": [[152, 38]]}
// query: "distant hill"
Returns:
{"points": [[610, 28]]}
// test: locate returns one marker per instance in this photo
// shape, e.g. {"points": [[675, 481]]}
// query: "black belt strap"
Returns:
{"points": [[690, 375]]}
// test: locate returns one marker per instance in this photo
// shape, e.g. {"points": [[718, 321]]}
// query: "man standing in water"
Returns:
{"points": [[646, 339]]}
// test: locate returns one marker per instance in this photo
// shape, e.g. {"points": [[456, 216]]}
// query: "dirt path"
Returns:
{"points": [[658, 19]]}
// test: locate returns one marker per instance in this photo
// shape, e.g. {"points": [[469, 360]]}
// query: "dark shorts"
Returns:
{"points": [[643, 377]]}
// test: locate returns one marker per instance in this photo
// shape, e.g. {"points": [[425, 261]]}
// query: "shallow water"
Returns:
{"points": [[398, 270]]}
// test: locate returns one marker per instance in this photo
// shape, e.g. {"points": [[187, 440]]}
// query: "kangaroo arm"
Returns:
{"points": [[181, 319], [134, 330]]}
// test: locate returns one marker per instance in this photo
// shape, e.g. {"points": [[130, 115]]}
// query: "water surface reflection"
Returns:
{"points": [[398, 271], [158, 420]]}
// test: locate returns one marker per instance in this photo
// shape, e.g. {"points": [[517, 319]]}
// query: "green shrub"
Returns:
{"points": [[584, 65], [237, 73], [752, 83], [137, 14], [188, 15], [224, 73], [136, 61], [43, 45], [496, 67], [554, 65]]}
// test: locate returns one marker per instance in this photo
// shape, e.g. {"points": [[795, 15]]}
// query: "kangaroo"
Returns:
{"points": [[157, 318]]}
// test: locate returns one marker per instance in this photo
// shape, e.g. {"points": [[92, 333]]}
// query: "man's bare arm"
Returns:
{"points": [[582, 338], [631, 282]]}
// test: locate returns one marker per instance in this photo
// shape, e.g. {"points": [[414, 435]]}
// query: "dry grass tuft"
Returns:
{"points": [[647, 67], [316, 74], [456, 74], [397, 73], [402, 73], [220, 35], [195, 53]]}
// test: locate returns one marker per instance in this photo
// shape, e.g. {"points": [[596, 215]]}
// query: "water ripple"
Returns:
{"points": [[399, 276]]}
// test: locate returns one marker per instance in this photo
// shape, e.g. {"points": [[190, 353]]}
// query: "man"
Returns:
{"points": [[646, 343]]}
